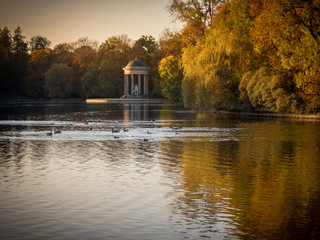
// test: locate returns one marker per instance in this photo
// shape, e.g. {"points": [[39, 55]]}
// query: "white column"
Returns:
{"points": [[126, 84], [132, 84], [139, 85], [145, 91]]}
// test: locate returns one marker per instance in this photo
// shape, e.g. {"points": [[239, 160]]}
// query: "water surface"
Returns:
{"points": [[173, 174]]}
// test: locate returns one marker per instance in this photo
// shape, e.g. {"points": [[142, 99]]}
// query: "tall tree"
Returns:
{"points": [[5, 59], [20, 46], [170, 43], [84, 54], [114, 54], [90, 83], [39, 63], [21, 57], [195, 11], [147, 50], [63, 53], [38, 42], [171, 76]]}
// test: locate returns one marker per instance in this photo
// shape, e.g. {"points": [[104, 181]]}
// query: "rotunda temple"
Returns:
{"points": [[136, 75]]}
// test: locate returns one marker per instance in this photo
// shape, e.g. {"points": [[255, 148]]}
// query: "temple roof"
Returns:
{"points": [[135, 63]]}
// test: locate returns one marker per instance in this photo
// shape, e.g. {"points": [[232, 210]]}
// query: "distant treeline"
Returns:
{"points": [[236, 55], [78, 69]]}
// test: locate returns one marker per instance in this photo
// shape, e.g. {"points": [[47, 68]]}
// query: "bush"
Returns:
{"points": [[267, 90]]}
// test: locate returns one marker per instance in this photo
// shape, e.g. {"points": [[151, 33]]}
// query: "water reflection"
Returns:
{"points": [[248, 189], [135, 112], [219, 178]]}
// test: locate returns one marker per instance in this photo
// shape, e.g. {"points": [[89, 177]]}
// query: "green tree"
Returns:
{"points": [[90, 83], [39, 42], [269, 90], [20, 60], [20, 46], [147, 50], [58, 81], [171, 77], [146, 45], [113, 55], [84, 54], [6, 66]]}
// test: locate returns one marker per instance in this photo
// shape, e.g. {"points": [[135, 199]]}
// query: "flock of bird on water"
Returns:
{"points": [[53, 132]]}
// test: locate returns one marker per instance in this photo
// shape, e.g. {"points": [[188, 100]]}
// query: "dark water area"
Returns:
{"points": [[172, 174]]}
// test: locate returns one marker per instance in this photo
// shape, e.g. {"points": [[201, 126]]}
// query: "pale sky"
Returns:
{"points": [[68, 20]]}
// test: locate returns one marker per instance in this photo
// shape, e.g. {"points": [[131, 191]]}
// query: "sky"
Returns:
{"points": [[64, 21]]}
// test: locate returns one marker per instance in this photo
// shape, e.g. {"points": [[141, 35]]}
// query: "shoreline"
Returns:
{"points": [[82, 100], [261, 114], [127, 100], [41, 101]]}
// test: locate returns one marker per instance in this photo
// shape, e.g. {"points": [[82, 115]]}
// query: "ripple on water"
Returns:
{"points": [[195, 182]]}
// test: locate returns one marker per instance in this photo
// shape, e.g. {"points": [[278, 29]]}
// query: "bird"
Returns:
{"points": [[50, 133], [145, 140], [57, 132], [115, 137], [176, 128], [149, 132], [125, 130], [90, 129], [115, 131]]}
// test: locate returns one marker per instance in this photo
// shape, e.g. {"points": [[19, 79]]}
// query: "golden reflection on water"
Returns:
{"points": [[249, 179], [264, 186]]}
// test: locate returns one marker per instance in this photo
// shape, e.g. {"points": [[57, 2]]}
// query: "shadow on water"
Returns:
{"points": [[173, 175]]}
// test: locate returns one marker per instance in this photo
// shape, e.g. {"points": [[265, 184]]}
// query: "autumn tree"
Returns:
{"points": [[113, 55], [170, 43], [197, 15], [84, 54], [63, 53], [201, 11], [171, 77], [147, 50], [38, 64], [286, 33], [213, 68], [40, 61]]}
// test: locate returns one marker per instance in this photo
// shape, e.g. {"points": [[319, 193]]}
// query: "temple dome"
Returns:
{"points": [[136, 63]]}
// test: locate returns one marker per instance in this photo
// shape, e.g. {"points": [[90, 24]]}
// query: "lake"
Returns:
{"points": [[135, 171]]}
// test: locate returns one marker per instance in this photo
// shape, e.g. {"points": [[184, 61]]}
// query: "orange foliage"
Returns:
{"points": [[266, 30], [40, 61]]}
